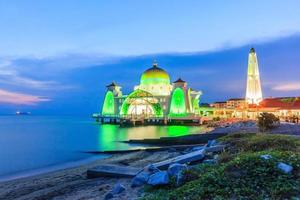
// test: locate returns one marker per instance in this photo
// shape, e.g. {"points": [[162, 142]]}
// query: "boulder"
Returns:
{"points": [[266, 157], [285, 167], [118, 188], [211, 143], [159, 178], [186, 151], [140, 179], [197, 148], [152, 168], [176, 168], [108, 196]]}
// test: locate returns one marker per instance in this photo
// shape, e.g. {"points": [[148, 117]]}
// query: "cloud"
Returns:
{"points": [[8, 97], [286, 87], [11, 76]]}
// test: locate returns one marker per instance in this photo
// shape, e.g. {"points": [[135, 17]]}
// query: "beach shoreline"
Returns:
{"points": [[72, 182]]}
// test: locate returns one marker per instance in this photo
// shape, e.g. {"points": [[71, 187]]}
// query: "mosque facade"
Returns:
{"points": [[154, 97]]}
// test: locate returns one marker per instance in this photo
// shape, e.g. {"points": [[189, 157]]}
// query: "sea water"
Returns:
{"points": [[32, 143]]}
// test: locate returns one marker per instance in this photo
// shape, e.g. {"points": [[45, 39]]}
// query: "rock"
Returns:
{"points": [[153, 169], [108, 196], [118, 188], [140, 179], [186, 151], [197, 148], [159, 178], [285, 167], [266, 157], [211, 143], [176, 168]]}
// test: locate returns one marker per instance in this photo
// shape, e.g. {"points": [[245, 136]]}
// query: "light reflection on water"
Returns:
{"points": [[110, 135], [34, 142]]}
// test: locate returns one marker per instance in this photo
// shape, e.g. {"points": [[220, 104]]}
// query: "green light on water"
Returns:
{"points": [[178, 107], [175, 131], [106, 137], [109, 104]]}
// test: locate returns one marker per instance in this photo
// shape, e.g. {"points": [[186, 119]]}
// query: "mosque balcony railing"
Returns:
{"points": [[99, 115], [140, 117]]}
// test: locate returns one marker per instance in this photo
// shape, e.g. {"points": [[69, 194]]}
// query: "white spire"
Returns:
{"points": [[253, 92]]}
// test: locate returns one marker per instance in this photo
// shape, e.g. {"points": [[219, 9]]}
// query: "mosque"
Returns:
{"points": [[154, 100]]}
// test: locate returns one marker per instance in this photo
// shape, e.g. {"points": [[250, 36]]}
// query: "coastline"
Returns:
{"points": [[72, 183]]}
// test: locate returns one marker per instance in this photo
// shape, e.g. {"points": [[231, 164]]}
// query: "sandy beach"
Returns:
{"points": [[73, 184]]}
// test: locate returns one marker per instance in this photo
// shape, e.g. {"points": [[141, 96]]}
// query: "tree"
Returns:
{"points": [[267, 121]]}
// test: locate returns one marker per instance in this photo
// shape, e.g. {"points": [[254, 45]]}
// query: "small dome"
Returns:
{"points": [[155, 75]]}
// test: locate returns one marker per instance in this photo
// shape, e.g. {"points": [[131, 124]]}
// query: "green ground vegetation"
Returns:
{"points": [[241, 172]]}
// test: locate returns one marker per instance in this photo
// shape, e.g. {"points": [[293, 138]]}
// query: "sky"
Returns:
{"points": [[57, 56]]}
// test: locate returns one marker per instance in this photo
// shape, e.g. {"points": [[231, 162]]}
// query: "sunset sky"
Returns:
{"points": [[56, 57]]}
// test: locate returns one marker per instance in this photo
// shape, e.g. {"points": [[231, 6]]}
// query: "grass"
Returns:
{"points": [[261, 142], [241, 173]]}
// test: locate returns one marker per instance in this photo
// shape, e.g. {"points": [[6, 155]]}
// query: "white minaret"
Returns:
{"points": [[253, 92]]}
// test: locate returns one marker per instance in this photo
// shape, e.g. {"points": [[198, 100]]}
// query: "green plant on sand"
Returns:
{"points": [[267, 121]]}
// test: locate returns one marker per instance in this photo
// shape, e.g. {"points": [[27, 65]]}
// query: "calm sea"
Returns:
{"points": [[31, 144]]}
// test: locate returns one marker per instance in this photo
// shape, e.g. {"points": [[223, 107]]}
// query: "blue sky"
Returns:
{"points": [[58, 55]]}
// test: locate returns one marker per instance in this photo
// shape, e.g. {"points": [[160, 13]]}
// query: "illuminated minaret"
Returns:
{"points": [[253, 93]]}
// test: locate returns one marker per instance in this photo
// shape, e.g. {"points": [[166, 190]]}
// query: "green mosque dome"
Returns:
{"points": [[155, 75]]}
